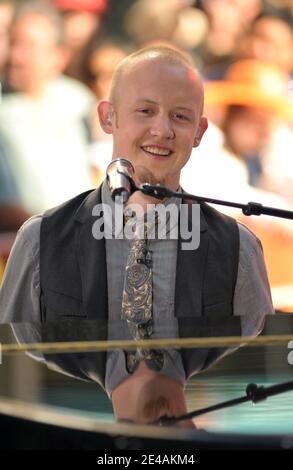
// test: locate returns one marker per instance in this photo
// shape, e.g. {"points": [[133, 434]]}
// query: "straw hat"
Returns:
{"points": [[252, 83]]}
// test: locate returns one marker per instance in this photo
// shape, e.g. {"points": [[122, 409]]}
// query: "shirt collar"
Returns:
{"points": [[115, 211]]}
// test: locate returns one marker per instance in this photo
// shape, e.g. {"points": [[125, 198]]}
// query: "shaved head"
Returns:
{"points": [[164, 54]]}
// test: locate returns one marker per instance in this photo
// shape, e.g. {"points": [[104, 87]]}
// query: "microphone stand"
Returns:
{"points": [[251, 208], [254, 394]]}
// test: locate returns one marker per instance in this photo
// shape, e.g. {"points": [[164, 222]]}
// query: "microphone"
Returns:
{"points": [[119, 177]]}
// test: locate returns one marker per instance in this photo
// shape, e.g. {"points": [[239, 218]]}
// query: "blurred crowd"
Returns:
{"points": [[56, 61]]}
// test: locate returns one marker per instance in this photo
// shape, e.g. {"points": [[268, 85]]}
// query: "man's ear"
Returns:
{"points": [[202, 127], [106, 111]]}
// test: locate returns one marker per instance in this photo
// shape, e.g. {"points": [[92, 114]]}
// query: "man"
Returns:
{"points": [[253, 109], [82, 22], [154, 114], [51, 138]]}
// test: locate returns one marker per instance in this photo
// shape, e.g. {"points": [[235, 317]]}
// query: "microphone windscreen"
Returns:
{"points": [[119, 178]]}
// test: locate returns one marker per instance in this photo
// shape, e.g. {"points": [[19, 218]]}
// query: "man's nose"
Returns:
{"points": [[162, 127]]}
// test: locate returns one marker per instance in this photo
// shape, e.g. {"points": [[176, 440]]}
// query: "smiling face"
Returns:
{"points": [[156, 119]]}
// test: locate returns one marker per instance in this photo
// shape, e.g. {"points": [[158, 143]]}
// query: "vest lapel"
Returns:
{"points": [[92, 261], [91, 255], [190, 274]]}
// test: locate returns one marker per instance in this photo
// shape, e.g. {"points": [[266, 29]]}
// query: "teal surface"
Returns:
{"points": [[271, 416]]}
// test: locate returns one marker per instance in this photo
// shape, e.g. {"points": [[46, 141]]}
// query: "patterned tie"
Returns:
{"points": [[137, 302]]}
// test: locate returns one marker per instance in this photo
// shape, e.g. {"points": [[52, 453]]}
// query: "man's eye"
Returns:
{"points": [[145, 110], [181, 117]]}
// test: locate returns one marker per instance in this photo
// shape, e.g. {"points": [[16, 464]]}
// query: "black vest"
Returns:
{"points": [[74, 282]]}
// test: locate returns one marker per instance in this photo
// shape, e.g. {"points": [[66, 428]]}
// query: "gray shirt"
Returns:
{"points": [[20, 293], [164, 258]]}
